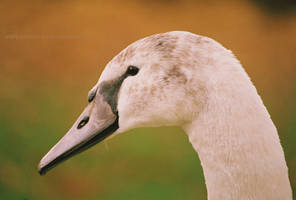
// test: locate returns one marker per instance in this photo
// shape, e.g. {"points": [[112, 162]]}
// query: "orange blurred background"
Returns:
{"points": [[52, 53]]}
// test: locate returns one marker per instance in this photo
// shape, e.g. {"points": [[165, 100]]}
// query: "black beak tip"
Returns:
{"points": [[42, 171], [45, 166]]}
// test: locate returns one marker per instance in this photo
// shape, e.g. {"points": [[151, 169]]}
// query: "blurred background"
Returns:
{"points": [[52, 53]]}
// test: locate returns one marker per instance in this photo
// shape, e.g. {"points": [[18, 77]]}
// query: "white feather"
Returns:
{"points": [[194, 82]]}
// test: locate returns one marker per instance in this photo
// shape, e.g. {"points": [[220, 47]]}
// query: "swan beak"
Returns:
{"points": [[96, 123]]}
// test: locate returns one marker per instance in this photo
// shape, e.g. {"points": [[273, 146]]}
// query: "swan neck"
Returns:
{"points": [[239, 147]]}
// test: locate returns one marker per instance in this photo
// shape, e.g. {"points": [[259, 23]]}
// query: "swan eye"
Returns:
{"points": [[83, 122], [132, 70]]}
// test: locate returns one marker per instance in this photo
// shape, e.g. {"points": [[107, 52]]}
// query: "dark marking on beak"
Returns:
{"points": [[109, 90], [92, 96]]}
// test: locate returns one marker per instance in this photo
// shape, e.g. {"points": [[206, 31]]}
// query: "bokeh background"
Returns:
{"points": [[52, 53]]}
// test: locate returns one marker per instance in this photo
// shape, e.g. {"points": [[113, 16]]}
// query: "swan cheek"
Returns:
{"points": [[129, 116], [133, 109]]}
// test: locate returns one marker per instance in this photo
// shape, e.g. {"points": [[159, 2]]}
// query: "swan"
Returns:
{"points": [[182, 79]]}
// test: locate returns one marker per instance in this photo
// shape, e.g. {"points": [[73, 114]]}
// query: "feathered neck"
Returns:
{"points": [[238, 144]]}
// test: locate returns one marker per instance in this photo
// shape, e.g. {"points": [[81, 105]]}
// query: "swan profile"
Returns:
{"points": [[182, 79]]}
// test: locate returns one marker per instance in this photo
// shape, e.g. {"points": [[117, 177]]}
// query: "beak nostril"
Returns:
{"points": [[83, 122]]}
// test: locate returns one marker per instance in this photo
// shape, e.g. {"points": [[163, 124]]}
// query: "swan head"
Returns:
{"points": [[160, 80]]}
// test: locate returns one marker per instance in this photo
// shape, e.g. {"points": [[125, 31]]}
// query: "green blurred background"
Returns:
{"points": [[52, 53]]}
